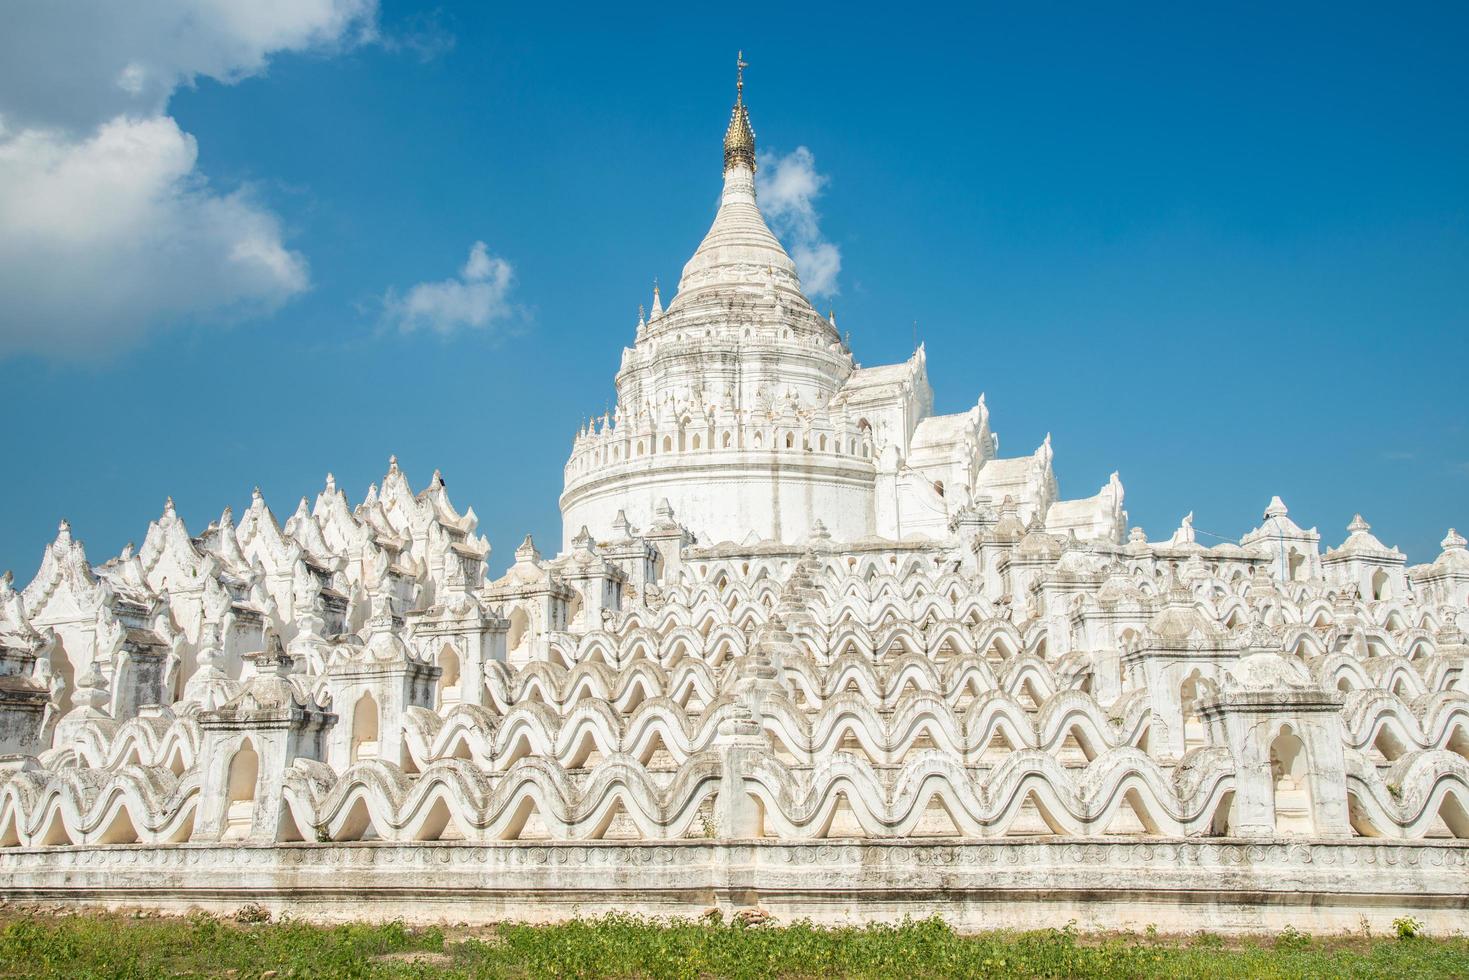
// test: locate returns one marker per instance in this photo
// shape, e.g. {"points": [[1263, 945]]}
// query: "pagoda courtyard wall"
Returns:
{"points": [[1176, 885]]}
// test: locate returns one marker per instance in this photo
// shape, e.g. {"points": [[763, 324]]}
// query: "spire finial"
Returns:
{"points": [[739, 138]]}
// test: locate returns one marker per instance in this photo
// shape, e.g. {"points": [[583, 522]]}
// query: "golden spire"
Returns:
{"points": [[739, 138]]}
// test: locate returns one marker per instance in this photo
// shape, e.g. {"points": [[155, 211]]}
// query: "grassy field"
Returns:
{"points": [[117, 945]]}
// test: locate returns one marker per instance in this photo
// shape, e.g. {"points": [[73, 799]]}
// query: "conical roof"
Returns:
{"points": [[739, 250], [739, 255]]}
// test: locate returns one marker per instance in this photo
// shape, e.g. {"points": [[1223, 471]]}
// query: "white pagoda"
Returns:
{"points": [[742, 408], [805, 646]]}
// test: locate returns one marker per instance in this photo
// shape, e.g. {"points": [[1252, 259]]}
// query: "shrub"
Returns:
{"points": [[252, 914], [1292, 938]]}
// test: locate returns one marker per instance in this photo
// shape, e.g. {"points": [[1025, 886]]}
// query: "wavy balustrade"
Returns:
{"points": [[878, 694]]}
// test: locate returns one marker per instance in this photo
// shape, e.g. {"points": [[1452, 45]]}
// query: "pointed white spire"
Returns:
{"points": [[657, 301], [527, 552], [1185, 533]]}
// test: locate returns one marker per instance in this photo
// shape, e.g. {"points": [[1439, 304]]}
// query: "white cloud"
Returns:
{"points": [[477, 298], [422, 34], [102, 238], [108, 231], [76, 63], [788, 187]]}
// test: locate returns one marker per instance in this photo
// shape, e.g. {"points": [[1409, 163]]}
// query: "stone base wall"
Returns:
{"points": [[1180, 885]]}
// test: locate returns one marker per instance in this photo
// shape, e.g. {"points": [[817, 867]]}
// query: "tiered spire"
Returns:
{"points": [[739, 138]]}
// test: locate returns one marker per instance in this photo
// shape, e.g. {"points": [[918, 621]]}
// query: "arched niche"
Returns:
{"points": [[1290, 784], [242, 781], [365, 728]]}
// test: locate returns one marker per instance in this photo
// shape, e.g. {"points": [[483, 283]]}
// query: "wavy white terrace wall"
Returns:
{"points": [[998, 688]]}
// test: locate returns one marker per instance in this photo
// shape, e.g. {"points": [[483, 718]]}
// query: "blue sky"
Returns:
{"points": [[1225, 252]]}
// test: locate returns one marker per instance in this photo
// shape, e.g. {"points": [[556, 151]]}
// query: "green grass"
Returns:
{"points": [[111, 945]]}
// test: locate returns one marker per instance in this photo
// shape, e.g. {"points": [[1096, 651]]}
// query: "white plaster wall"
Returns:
{"points": [[1176, 885], [724, 495]]}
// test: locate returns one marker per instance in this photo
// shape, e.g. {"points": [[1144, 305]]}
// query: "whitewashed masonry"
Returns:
{"points": [[805, 646]]}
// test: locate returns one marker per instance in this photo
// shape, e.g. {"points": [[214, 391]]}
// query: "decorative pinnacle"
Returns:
{"points": [[739, 138]]}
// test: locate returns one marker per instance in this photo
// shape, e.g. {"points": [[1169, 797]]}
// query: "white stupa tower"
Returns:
{"points": [[719, 397], [741, 407]]}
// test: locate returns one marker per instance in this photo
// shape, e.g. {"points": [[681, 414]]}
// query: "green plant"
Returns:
{"points": [[1291, 938], [1407, 927], [119, 945]]}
